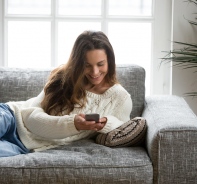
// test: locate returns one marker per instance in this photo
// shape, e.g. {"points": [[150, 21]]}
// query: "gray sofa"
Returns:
{"points": [[168, 156]]}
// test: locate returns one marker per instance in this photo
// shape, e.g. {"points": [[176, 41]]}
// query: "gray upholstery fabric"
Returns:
{"points": [[18, 84], [82, 162], [171, 139], [132, 78]]}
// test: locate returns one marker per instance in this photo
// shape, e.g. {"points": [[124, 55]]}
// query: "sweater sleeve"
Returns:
{"points": [[47, 126], [120, 115]]}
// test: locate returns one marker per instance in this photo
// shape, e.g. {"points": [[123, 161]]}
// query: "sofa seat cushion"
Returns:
{"points": [[79, 162]]}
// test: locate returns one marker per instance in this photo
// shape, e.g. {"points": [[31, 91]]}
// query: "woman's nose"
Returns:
{"points": [[95, 70]]}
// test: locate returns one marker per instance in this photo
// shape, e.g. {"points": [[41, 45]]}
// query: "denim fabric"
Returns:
{"points": [[10, 143]]}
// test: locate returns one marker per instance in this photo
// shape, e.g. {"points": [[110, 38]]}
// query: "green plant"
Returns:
{"points": [[186, 57]]}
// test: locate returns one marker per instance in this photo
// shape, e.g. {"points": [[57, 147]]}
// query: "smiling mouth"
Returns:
{"points": [[95, 77]]}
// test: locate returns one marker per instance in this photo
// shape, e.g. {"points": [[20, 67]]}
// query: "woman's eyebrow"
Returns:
{"points": [[101, 61], [97, 62]]}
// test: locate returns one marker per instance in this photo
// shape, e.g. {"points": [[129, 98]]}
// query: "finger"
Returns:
{"points": [[92, 125], [99, 126], [82, 115], [95, 129], [103, 120], [90, 122], [80, 120]]}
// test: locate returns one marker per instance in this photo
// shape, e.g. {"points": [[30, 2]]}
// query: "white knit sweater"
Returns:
{"points": [[39, 131]]}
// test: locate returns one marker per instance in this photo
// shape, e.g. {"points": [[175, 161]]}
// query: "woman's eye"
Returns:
{"points": [[100, 64]]}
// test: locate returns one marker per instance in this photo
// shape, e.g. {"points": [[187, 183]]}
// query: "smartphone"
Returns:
{"points": [[92, 117]]}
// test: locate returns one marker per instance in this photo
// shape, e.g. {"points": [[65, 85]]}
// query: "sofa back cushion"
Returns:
{"points": [[132, 78], [17, 84]]}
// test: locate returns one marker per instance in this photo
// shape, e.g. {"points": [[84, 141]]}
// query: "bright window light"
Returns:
{"points": [[79, 7], [132, 44], [33, 7], [130, 7], [41, 33], [29, 44], [67, 37]]}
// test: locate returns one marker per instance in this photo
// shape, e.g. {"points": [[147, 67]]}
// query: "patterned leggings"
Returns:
{"points": [[10, 143]]}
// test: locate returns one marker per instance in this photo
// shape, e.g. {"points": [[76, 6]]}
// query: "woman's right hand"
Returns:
{"points": [[82, 124]]}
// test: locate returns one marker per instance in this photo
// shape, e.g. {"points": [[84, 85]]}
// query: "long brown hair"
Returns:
{"points": [[65, 87]]}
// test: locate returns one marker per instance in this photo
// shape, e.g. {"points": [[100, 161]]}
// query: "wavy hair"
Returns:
{"points": [[65, 88]]}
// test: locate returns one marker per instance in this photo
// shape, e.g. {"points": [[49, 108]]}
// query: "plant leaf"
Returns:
{"points": [[193, 94]]}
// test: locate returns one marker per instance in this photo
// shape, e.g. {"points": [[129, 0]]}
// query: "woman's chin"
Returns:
{"points": [[95, 82]]}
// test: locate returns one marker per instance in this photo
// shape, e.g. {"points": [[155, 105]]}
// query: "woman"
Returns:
{"points": [[86, 84]]}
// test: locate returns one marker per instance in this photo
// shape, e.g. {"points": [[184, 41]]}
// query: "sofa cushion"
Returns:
{"points": [[80, 162], [131, 133], [132, 78], [18, 84]]}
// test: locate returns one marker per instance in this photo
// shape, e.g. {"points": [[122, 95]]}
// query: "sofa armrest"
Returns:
{"points": [[171, 139]]}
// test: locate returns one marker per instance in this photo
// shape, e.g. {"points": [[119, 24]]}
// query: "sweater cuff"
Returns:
{"points": [[71, 125], [112, 123]]}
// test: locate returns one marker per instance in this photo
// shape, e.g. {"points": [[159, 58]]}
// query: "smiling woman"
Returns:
{"points": [[91, 66], [95, 70], [86, 84]]}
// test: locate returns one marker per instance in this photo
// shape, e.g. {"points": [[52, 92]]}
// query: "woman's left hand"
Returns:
{"points": [[102, 122], [82, 124]]}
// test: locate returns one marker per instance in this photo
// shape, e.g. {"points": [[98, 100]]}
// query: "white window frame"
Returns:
{"points": [[161, 35]]}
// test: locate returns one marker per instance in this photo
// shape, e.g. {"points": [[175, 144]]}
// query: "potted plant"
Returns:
{"points": [[186, 57]]}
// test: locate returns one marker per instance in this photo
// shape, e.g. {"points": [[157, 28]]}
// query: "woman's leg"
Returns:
{"points": [[9, 149], [6, 120], [9, 139]]}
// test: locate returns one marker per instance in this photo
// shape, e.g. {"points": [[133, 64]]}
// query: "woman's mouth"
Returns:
{"points": [[95, 77]]}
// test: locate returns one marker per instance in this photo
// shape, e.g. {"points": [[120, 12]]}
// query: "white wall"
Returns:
{"points": [[1, 33], [184, 81], [161, 75]]}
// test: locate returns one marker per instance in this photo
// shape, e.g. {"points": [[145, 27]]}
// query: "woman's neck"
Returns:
{"points": [[98, 89]]}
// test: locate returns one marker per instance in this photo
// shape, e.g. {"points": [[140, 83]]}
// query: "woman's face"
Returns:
{"points": [[96, 66]]}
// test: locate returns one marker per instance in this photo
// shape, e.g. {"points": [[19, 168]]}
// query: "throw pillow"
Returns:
{"points": [[131, 133]]}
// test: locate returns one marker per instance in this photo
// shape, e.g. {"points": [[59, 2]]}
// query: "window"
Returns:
{"points": [[41, 33]]}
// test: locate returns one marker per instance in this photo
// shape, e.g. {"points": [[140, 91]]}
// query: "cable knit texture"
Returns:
{"points": [[40, 131]]}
